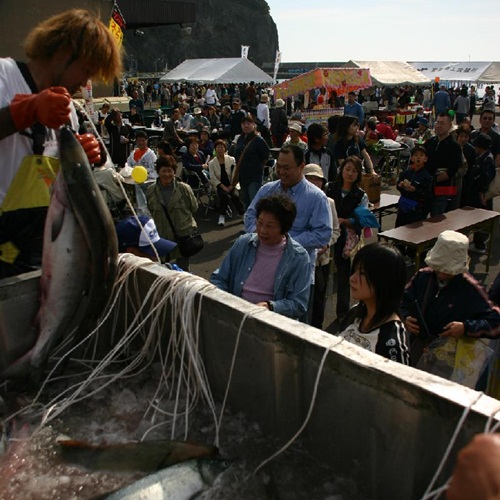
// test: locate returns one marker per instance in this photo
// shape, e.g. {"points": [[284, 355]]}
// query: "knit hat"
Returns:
{"points": [[449, 253], [315, 170]]}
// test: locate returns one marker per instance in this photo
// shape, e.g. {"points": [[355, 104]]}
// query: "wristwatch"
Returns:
{"points": [[270, 305]]}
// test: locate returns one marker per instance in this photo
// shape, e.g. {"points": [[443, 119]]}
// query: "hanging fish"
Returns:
{"points": [[80, 253]]}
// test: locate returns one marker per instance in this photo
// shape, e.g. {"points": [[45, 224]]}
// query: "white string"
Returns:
{"points": [[180, 291], [429, 493], [230, 377], [309, 413]]}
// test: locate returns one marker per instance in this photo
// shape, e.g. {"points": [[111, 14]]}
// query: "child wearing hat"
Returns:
{"points": [[139, 235], [445, 300], [423, 132], [415, 185]]}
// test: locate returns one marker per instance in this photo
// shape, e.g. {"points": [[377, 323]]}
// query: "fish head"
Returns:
{"points": [[74, 161], [211, 468]]}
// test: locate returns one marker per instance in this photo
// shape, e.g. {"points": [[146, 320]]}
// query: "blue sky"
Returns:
{"points": [[408, 30]]}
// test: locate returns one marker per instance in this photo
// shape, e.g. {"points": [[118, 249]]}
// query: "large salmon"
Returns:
{"points": [[183, 481], [80, 252]]}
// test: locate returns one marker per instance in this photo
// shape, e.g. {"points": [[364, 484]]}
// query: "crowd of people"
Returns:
{"points": [[319, 168]]}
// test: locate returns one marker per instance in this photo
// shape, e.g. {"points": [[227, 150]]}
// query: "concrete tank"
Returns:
{"points": [[382, 424]]}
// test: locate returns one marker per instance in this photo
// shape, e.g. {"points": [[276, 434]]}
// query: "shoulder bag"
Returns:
{"points": [[236, 172], [188, 245]]}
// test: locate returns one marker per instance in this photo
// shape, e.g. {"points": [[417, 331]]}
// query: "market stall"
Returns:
{"points": [[342, 80]]}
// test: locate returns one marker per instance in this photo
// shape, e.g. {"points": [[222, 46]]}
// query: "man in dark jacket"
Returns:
{"points": [[279, 123], [444, 158], [251, 154]]}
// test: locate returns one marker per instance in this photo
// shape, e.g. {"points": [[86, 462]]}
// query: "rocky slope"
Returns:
{"points": [[222, 27]]}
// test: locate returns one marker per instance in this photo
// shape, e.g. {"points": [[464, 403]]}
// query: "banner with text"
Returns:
{"points": [[117, 24], [244, 51], [277, 63], [342, 80]]}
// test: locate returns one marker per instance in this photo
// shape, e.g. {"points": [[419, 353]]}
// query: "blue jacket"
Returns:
{"points": [[312, 227], [441, 101], [355, 109], [291, 283]]}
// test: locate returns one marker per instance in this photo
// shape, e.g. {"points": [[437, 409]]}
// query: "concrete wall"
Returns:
{"points": [[382, 424]]}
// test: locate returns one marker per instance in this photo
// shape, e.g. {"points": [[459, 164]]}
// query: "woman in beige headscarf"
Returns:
{"points": [[445, 300]]}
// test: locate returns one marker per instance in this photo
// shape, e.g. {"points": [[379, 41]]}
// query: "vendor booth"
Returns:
{"points": [[391, 74], [224, 70], [342, 80]]}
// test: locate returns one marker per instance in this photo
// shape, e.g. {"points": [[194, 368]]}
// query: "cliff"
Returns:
{"points": [[222, 27]]}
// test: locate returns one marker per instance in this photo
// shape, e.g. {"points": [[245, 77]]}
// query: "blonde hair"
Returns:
{"points": [[84, 35]]}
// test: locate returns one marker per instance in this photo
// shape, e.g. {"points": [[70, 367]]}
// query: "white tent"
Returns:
{"points": [[227, 70], [390, 73], [484, 72]]}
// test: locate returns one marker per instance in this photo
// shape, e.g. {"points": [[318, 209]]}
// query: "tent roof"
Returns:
{"points": [[469, 71], [388, 73], [227, 70]]}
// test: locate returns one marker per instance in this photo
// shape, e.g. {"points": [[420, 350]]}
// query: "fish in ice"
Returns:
{"points": [[80, 253], [179, 482], [144, 456]]}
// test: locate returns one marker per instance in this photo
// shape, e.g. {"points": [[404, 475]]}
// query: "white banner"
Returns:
{"points": [[244, 51], [276, 65]]}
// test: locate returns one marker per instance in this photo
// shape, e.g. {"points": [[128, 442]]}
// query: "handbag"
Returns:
{"points": [[188, 245], [407, 205]]}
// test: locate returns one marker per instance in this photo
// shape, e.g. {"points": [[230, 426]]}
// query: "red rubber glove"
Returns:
{"points": [[91, 147], [50, 107]]}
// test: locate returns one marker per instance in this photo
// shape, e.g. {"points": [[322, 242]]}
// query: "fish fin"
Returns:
{"points": [[57, 224]]}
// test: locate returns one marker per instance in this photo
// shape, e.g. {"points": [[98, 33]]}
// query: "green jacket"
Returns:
{"points": [[181, 209]]}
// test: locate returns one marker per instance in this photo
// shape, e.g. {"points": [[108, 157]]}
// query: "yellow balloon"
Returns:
{"points": [[139, 174]]}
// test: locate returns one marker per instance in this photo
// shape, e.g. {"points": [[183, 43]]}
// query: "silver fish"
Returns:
{"points": [[179, 482], [80, 252]]}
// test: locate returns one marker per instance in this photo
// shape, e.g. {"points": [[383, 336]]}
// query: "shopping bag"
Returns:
{"points": [[372, 185]]}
